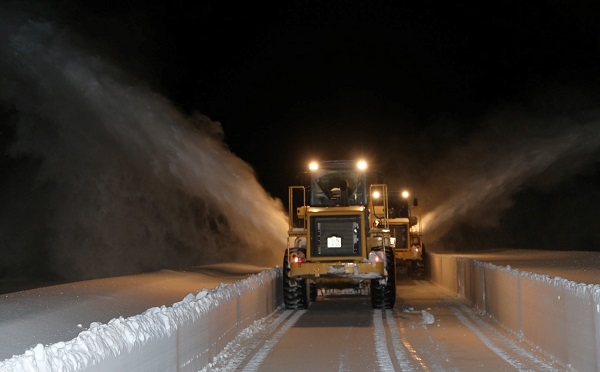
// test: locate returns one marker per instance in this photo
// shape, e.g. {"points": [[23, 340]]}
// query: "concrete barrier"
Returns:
{"points": [[183, 337], [558, 316], [203, 330]]}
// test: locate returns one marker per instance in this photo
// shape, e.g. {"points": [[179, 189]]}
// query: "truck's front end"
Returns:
{"points": [[406, 240], [340, 238]]}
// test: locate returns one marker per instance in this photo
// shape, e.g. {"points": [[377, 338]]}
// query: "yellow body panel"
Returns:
{"points": [[407, 255], [352, 270]]}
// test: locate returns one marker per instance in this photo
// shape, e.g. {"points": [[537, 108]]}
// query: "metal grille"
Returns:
{"points": [[342, 233]]}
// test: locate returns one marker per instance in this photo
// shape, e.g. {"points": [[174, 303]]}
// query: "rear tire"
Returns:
{"points": [[313, 291], [295, 291], [419, 269], [383, 291]]}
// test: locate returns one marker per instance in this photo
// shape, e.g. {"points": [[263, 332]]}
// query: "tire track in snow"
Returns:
{"points": [[487, 341], [414, 354], [433, 357], [510, 344], [400, 345], [384, 361], [262, 354], [237, 353]]}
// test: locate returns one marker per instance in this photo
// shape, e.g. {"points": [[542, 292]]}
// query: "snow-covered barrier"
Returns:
{"points": [[558, 316], [183, 337]]}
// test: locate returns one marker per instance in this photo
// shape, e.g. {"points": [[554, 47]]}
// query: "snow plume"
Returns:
{"points": [[109, 177], [474, 182]]}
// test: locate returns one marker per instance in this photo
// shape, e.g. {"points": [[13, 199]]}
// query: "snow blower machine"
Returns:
{"points": [[407, 238], [339, 236]]}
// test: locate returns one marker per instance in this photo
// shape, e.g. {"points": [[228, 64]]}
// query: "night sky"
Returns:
{"points": [[338, 79], [435, 95]]}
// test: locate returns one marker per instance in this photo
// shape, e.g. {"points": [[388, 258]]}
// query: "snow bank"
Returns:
{"points": [[558, 316], [185, 336]]}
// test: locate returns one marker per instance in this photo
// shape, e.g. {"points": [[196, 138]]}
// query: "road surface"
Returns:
{"points": [[429, 329]]}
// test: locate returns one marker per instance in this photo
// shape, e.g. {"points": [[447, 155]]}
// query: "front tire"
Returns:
{"points": [[295, 291], [383, 291]]}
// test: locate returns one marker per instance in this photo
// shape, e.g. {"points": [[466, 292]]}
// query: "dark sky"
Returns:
{"points": [[406, 85], [293, 81]]}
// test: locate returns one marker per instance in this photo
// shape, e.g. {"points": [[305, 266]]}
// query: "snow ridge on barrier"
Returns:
{"points": [[184, 336], [559, 317]]}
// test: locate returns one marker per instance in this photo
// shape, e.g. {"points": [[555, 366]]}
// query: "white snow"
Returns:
{"points": [[383, 357], [427, 317], [185, 320], [336, 270], [106, 345], [547, 299]]}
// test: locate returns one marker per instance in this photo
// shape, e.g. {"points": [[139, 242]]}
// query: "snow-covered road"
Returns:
{"points": [[480, 311], [429, 330]]}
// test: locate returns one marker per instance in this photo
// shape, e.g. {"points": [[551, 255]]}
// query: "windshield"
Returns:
{"points": [[338, 188]]}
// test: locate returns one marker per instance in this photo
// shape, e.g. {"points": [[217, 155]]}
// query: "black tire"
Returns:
{"points": [[383, 291], [419, 269], [295, 291], [313, 291]]}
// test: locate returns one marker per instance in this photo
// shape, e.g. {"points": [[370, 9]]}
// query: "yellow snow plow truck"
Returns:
{"points": [[407, 239], [339, 236]]}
